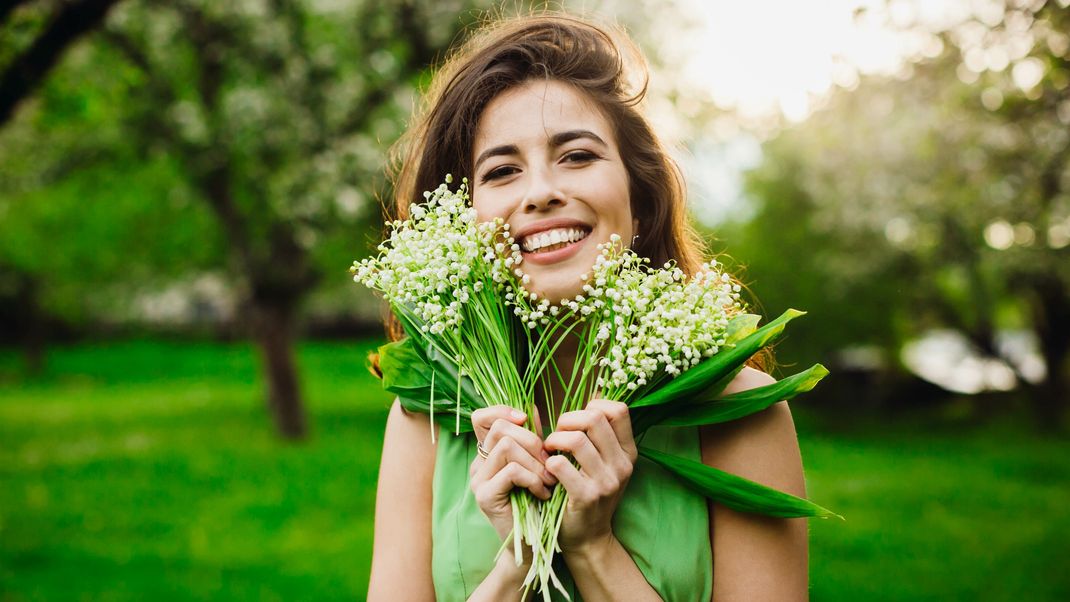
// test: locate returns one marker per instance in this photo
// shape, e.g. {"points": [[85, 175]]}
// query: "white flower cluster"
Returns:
{"points": [[433, 262], [649, 323]]}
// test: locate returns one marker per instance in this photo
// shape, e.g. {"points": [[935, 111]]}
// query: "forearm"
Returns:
{"points": [[504, 581], [605, 571]]}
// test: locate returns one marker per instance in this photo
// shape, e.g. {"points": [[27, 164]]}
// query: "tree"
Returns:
{"points": [[271, 110]]}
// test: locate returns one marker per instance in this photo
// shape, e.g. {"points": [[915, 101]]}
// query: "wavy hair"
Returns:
{"points": [[603, 64]]}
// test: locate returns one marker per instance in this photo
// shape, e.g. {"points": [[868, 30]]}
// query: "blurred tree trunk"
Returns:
{"points": [[278, 283], [274, 330], [1051, 320], [20, 296], [34, 329]]}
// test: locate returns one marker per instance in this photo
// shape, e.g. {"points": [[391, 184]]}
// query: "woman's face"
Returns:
{"points": [[546, 161]]}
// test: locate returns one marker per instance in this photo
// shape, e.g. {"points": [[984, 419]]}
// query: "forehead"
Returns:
{"points": [[533, 111]]}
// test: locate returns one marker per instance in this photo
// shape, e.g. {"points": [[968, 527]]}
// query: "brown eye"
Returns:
{"points": [[499, 172], [581, 156]]}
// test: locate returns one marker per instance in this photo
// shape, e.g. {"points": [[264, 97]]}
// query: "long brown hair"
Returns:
{"points": [[601, 62]]}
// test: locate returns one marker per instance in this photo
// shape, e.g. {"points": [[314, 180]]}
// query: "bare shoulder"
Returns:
{"points": [[763, 446], [749, 378], [411, 428]]}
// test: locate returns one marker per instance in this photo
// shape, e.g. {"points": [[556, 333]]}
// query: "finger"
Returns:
{"points": [[596, 425], [620, 420], [527, 439], [579, 445], [483, 418], [474, 467], [508, 451], [513, 475], [575, 483]]}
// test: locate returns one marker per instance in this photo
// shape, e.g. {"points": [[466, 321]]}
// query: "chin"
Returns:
{"points": [[556, 289]]}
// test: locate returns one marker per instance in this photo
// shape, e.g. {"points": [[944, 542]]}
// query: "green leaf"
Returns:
{"points": [[403, 367], [710, 370], [733, 491], [407, 374], [644, 417], [741, 326], [744, 403]]}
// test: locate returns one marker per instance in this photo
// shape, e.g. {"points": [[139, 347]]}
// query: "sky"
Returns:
{"points": [[777, 55], [773, 61]]}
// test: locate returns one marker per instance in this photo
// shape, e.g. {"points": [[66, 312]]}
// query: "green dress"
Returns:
{"points": [[663, 525]]}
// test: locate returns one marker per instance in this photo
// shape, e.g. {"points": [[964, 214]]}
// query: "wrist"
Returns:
{"points": [[593, 551], [509, 571], [504, 581]]}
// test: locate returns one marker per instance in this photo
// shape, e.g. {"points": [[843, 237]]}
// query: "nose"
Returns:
{"points": [[542, 192]]}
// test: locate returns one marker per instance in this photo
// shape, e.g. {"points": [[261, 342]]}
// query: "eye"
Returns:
{"points": [[498, 172], [580, 156]]}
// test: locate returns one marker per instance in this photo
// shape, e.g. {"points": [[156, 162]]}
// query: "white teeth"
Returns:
{"points": [[552, 237]]}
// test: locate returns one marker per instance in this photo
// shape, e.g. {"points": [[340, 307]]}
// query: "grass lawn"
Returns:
{"points": [[148, 470]]}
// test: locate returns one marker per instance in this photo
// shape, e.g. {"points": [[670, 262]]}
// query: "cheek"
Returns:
{"points": [[623, 218], [485, 208]]}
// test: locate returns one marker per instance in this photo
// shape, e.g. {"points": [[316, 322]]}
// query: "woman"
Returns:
{"points": [[537, 112]]}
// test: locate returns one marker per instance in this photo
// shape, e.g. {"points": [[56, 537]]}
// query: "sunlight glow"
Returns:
{"points": [[781, 57]]}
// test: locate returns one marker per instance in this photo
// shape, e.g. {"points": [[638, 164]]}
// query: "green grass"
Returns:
{"points": [[148, 470]]}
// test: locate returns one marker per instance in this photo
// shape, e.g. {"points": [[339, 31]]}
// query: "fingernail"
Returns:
{"points": [[517, 415], [545, 456]]}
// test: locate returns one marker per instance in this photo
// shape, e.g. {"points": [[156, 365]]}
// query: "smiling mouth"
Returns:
{"points": [[552, 240]]}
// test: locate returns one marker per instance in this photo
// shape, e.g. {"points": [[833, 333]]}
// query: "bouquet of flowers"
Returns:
{"points": [[446, 277], [662, 341]]}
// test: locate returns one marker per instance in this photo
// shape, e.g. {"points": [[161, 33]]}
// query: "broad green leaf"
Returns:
{"points": [[741, 326], [402, 366], [715, 368], [744, 403], [733, 491], [644, 417], [407, 375]]}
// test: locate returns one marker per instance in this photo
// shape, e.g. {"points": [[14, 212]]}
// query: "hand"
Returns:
{"points": [[600, 439], [516, 459]]}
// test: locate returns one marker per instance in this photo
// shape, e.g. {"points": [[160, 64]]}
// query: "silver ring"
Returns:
{"points": [[482, 451]]}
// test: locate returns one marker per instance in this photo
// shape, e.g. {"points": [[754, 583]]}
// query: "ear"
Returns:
{"points": [[635, 230]]}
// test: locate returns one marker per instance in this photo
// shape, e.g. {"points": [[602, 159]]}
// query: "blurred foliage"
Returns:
{"points": [[276, 115], [938, 198]]}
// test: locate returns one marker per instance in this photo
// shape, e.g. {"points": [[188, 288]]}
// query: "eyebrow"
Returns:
{"points": [[555, 140]]}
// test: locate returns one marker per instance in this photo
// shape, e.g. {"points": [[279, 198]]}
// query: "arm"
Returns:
{"points": [[756, 557], [401, 553]]}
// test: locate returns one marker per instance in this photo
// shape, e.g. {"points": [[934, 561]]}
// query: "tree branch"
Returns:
{"points": [[30, 67]]}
